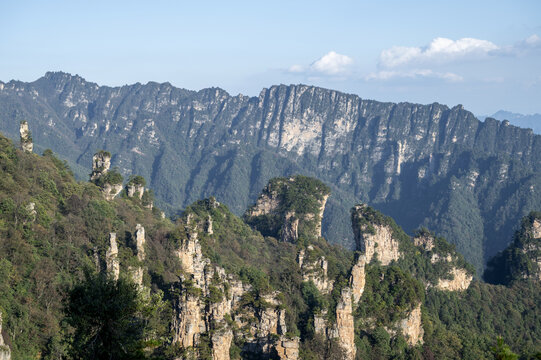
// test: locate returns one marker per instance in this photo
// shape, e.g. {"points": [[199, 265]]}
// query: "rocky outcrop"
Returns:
{"points": [[101, 162], [411, 327], [110, 191], [424, 241], [140, 241], [373, 236], [200, 310], [27, 144], [136, 272], [188, 323], [460, 280], [221, 343], [344, 328], [111, 258], [5, 351], [314, 269], [357, 278], [290, 228], [135, 190], [276, 214], [287, 349]]}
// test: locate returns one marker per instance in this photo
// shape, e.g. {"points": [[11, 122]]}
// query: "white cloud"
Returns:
{"points": [[414, 74], [296, 68], [439, 50], [533, 40], [331, 63]]}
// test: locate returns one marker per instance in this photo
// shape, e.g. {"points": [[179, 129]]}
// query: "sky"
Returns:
{"points": [[485, 55]]}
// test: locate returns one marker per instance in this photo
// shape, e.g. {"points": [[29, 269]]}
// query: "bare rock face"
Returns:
{"points": [[101, 162], [536, 229], [460, 281], [221, 342], [275, 214], [344, 328], [140, 241], [372, 237], [357, 278], [188, 323], [412, 328], [5, 351], [209, 229], [110, 191], [27, 144], [135, 190], [320, 323], [111, 258], [424, 241], [315, 271], [288, 349], [290, 229]]}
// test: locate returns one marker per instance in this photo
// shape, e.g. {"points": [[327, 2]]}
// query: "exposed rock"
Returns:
{"points": [[111, 258], [344, 328], [424, 241], [320, 323], [209, 229], [135, 190], [536, 229], [5, 351], [373, 238], [110, 191], [221, 342], [357, 278], [411, 327], [276, 215], [461, 281], [316, 272], [287, 349], [27, 144], [31, 210], [188, 322], [136, 274], [140, 241], [289, 232], [101, 162]]}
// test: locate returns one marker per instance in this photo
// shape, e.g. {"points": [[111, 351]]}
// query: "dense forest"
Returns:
{"points": [[61, 297]]}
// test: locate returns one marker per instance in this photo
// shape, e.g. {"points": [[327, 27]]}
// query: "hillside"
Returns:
{"points": [[216, 288], [425, 165]]}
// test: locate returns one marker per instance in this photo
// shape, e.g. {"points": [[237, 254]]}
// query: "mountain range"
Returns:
{"points": [[531, 121], [425, 165]]}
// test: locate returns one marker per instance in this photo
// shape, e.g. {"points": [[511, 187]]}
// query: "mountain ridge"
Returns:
{"points": [[192, 145]]}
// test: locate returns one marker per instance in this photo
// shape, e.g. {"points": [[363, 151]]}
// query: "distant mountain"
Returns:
{"points": [[424, 165], [532, 121]]}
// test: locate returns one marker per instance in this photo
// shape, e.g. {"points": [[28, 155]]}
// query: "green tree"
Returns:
{"points": [[106, 317], [502, 351]]}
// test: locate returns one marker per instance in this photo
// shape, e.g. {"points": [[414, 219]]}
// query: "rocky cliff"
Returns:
{"points": [[373, 237], [470, 181], [522, 259], [290, 209], [5, 352]]}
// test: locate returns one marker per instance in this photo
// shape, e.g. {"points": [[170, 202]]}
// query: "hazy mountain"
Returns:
{"points": [[425, 165], [531, 121]]}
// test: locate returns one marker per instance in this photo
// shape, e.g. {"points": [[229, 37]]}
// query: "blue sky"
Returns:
{"points": [[485, 55]]}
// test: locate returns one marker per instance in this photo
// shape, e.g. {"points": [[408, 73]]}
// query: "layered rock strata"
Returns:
{"points": [[373, 238]]}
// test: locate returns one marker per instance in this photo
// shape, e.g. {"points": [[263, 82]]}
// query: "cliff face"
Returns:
{"points": [[5, 352], [290, 208], [522, 259], [192, 145], [262, 329], [373, 238]]}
